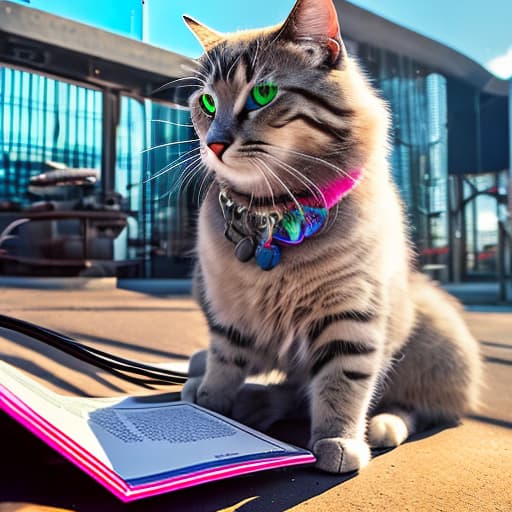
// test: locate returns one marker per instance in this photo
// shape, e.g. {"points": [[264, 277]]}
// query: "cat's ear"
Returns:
{"points": [[205, 35], [315, 20]]}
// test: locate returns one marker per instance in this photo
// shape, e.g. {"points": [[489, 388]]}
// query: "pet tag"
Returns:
{"points": [[244, 250], [267, 256]]}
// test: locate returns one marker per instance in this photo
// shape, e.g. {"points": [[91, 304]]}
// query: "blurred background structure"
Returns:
{"points": [[79, 106]]}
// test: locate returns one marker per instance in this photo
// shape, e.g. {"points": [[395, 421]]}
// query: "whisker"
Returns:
{"points": [[207, 55], [190, 164], [170, 122], [169, 144], [166, 168], [177, 186], [188, 179], [219, 66], [281, 182], [256, 53], [176, 160], [198, 185], [168, 84], [210, 186], [197, 72], [316, 159], [188, 85], [267, 49], [233, 65], [207, 176], [266, 181], [190, 169], [313, 189], [170, 167]]}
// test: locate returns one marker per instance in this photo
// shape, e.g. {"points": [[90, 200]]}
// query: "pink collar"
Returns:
{"points": [[336, 191]]}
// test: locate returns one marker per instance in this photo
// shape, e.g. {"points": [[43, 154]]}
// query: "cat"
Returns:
{"points": [[304, 262]]}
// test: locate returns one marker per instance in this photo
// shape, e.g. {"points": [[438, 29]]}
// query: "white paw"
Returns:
{"points": [[387, 431], [341, 455], [189, 391], [215, 400], [197, 363]]}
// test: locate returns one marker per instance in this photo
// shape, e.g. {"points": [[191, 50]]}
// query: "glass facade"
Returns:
{"points": [[482, 196], [44, 120], [47, 121], [164, 186], [418, 101], [159, 177]]}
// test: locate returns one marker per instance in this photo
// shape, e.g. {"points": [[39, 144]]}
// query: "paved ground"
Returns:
{"points": [[466, 468]]}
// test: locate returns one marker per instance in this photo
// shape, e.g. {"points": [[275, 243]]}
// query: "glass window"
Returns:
{"points": [[418, 103], [158, 173], [44, 120]]}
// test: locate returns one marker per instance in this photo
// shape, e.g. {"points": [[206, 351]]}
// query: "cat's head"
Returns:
{"points": [[284, 110]]}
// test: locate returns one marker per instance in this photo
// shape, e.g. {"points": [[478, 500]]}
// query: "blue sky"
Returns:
{"points": [[481, 30]]}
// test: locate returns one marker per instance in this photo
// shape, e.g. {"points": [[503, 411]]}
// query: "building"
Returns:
{"points": [[450, 142], [85, 98], [450, 159]]}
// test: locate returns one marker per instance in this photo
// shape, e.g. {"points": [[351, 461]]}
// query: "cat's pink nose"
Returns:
{"points": [[218, 148]]}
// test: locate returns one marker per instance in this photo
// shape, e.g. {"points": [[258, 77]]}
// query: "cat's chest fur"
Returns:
{"points": [[276, 308]]}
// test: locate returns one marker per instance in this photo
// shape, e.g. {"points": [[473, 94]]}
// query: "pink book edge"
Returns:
{"points": [[108, 478]]}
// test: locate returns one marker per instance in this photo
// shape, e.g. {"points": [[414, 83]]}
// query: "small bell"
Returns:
{"points": [[267, 255], [244, 249]]}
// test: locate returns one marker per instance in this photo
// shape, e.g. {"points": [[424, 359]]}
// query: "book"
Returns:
{"points": [[138, 447]]}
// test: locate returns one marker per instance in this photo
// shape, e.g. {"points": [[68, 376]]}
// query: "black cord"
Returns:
{"points": [[132, 371]]}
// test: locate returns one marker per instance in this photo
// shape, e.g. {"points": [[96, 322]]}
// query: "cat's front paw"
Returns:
{"points": [[255, 407], [216, 401], [189, 391], [196, 371], [340, 455], [195, 392]]}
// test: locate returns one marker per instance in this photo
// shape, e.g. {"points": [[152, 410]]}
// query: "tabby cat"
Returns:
{"points": [[304, 264]]}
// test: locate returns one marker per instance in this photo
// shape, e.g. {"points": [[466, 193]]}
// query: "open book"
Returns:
{"points": [[141, 446]]}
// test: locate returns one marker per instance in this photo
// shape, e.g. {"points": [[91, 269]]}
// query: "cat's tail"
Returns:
{"points": [[435, 377], [392, 428]]}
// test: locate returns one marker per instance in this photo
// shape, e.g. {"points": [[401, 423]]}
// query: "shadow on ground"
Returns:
{"points": [[38, 475], [67, 362], [150, 351]]}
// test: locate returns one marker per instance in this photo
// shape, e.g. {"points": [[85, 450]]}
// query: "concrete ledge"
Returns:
{"points": [[60, 283], [157, 286], [478, 293]]}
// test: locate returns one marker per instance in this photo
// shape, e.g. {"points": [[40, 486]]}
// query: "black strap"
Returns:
{"points": [[132, 371]]}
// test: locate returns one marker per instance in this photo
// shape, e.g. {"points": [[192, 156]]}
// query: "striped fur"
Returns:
{"points": [[343, 315]]}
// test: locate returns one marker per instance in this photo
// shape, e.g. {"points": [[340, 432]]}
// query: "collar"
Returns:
{"points": [[253, 232]]}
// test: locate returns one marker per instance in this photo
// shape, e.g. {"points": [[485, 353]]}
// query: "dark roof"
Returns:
{"points": [[35, 40], [364, 26]]}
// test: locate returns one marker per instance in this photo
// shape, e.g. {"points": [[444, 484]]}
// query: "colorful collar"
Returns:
{"points": [[253, 232]]}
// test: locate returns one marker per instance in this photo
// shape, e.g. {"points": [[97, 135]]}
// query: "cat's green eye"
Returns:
{"points": [[261, 95], [207, 103]]}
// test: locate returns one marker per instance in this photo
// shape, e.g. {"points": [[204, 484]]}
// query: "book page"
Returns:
{"points": [[140, 438]]}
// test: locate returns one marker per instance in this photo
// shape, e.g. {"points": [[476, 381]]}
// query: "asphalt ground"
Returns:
{"points": [[452, 468]]}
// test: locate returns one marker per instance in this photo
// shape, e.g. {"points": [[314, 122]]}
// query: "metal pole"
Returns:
{"points": [[502, 280], [110, 120], [474, 214], [474, 209], [463, 260]]}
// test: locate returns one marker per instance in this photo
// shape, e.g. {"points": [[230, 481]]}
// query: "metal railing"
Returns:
{"points": [[504, 258]]}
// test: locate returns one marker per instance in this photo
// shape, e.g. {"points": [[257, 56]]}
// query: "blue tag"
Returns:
{"points": [[267, 257]]}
